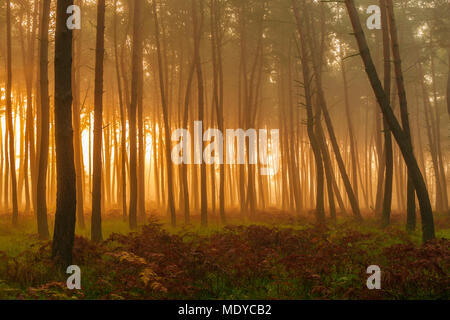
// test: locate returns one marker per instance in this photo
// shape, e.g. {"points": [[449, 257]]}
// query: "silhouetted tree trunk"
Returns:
{"points": [[184, 170], [141, 156], [389, 162], [400, 136], [43, 135], [123, 147], [96, 222], [411, 203], [327, 167], [166, 122], [216, 37], [316, 57], [351, 133], [293, 147], [65, 215], [201, 105], [12, 155], [78, 152], [137, 48], [311, 118]]}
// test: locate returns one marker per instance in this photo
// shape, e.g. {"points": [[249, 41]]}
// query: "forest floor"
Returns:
{"points": [[271, 256]]}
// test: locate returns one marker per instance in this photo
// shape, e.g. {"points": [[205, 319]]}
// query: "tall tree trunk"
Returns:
{"points": [[141, 156], [166, 121], [12, 155], [28, 55], [218, 93], [201, 105], [123, 146], [293, 149], [78, 152], [137, 48], [30, 115], [410, 202], [311, 119], [65, 216], [394, 125], [316, 57], [351, 133], [43, 135], [96, 222], [389, 162], [184, 170]]}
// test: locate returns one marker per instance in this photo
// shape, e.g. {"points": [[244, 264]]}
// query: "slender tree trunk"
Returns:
{"points": [[44, 132], [311, 119], [351, 133], [65, 216], [78, 152], [141, 156], [400, 136], [184, 170], [437, 125], [166, 121], [411, 203], [431, 140], [328, 172], [201, 105], [12, 155], [30, 115], [28, 45], [141, 165], [123, 146], [218, 93], [137, 48], [389, 162], [316, 58], [96, 221]]}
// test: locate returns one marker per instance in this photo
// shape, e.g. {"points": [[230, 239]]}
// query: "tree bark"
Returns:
{"points": [[137, 48], [96, 221], [78, 152], [400, 136], [410, 202], [389, 162], [41, 212], [65, 216]]}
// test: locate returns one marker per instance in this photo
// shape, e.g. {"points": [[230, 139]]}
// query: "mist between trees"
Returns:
{"points": [[87, 115]]}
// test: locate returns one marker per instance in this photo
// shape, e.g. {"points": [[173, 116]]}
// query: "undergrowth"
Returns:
{"points": [[237, 262]]}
